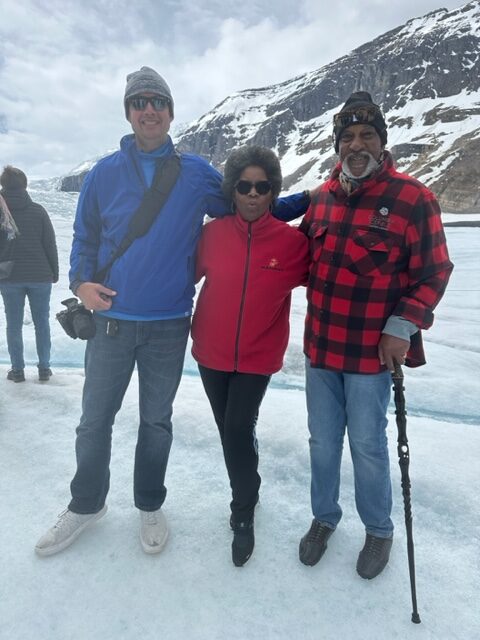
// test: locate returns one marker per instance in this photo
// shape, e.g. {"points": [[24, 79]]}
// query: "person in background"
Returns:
{"points": [[141, 310], [379, 267], [29, 242], [240, 328]]}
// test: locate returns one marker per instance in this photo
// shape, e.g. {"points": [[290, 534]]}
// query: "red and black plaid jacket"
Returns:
{"points": [[379, 252]]}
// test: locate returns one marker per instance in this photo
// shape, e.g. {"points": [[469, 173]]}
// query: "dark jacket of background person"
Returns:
{"points": [[34, 250]]}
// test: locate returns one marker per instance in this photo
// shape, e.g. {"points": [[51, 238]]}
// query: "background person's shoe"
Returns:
{"points": [[373, 558], [243, 541], [314, 543], [44, 375], [16, 375], [69, 526], [153, 530]]}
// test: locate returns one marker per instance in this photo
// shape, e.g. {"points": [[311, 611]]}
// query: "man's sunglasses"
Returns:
{"points": [[360, 115], [245, 186], [139, 103]]}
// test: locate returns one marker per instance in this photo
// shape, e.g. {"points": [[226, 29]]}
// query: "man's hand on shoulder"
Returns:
{"points": [[95, 296]]}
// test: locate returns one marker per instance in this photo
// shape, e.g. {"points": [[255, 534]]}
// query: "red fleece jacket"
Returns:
{"points": [[241, 320]]}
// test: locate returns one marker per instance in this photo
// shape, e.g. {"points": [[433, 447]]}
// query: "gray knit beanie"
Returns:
{"points": [[147, 80]]}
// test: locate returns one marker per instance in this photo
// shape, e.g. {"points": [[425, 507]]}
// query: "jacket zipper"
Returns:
{"points": [[242, 302], [139, 172]]}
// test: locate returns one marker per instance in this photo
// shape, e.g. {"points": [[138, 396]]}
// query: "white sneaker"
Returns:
{"points": [[153, 530], [69, 526]]}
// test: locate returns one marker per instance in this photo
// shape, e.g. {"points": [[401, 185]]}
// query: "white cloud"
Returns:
{"points": [[63, 64]]}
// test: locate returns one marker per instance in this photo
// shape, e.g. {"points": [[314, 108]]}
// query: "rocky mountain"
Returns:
{"points": [[424, 74], [74, 180]]}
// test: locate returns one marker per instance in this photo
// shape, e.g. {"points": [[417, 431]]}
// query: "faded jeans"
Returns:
{"points": [[158, 349], [357, 403], [38, 294]]}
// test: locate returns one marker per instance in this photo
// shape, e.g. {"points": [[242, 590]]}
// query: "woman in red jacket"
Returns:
{"points": [[251, 262]]}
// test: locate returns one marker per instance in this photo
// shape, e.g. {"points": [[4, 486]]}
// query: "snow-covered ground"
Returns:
{"points": [[104, 587]]}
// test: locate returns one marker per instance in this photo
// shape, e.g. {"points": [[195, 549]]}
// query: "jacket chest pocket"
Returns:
{"points": [[371, 253], [317, 235]]}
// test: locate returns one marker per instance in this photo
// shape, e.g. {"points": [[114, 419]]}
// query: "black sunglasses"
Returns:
{"points": [[139, 103], [245, 186], [360, 115]]}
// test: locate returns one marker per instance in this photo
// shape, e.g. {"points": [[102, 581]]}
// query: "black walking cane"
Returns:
{"points": [[404, 461]]}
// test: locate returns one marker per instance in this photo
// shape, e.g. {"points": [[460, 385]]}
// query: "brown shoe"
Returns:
{"points": [[16, 375], [314, 543], [373, 558]]}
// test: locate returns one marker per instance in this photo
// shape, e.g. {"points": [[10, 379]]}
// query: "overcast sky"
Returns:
{"points": [[63, 63]]}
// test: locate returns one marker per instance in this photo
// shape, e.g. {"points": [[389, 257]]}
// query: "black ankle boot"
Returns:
{"points": [[243, 541]]}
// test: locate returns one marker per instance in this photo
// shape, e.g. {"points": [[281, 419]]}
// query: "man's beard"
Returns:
{"points": [[370, 167]]}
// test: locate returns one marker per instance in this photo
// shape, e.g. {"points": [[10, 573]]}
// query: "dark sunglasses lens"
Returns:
{"points": [[263, 187], [245, 186], [139, 103], [158, 103]]}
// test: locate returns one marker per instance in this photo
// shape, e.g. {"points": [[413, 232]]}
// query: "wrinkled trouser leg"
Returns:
{"points": [[358, 402], [158, 347], [14, 303], [160, 364], [367, 398], [326, 423], [39, 300], [235, 399]]}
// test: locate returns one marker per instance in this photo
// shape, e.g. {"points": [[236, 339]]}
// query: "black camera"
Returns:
{"points": [[76, 321]]}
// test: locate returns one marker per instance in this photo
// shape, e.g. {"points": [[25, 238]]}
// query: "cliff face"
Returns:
{"points": [[73, 182], [424, 74]]}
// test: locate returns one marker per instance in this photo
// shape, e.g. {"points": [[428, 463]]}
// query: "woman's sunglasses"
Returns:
{"points": [[245, 186]]}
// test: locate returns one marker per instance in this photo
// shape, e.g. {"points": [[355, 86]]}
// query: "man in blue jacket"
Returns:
{"points": [[142, 310]]}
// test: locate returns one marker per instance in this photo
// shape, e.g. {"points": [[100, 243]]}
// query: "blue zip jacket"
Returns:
{"points": [[154, 279]]}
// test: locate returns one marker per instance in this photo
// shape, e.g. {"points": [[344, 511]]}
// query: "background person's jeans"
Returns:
{"points": [[38, 294], [358, 402], [158, 349]]}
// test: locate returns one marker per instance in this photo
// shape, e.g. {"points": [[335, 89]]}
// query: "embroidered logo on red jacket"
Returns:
{"points": [[273, 265]]}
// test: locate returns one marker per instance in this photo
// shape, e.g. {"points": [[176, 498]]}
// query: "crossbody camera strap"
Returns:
{"points": [[166, 175]]}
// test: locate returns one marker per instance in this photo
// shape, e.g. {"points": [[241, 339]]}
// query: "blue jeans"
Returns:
{"points": [[358, 403], [158, 349], [38, 294]]}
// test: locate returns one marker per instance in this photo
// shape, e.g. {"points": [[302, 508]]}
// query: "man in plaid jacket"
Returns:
{"points": [[379, 267]]}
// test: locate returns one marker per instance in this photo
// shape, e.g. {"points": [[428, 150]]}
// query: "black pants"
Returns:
{"points": [[235, 399]]}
